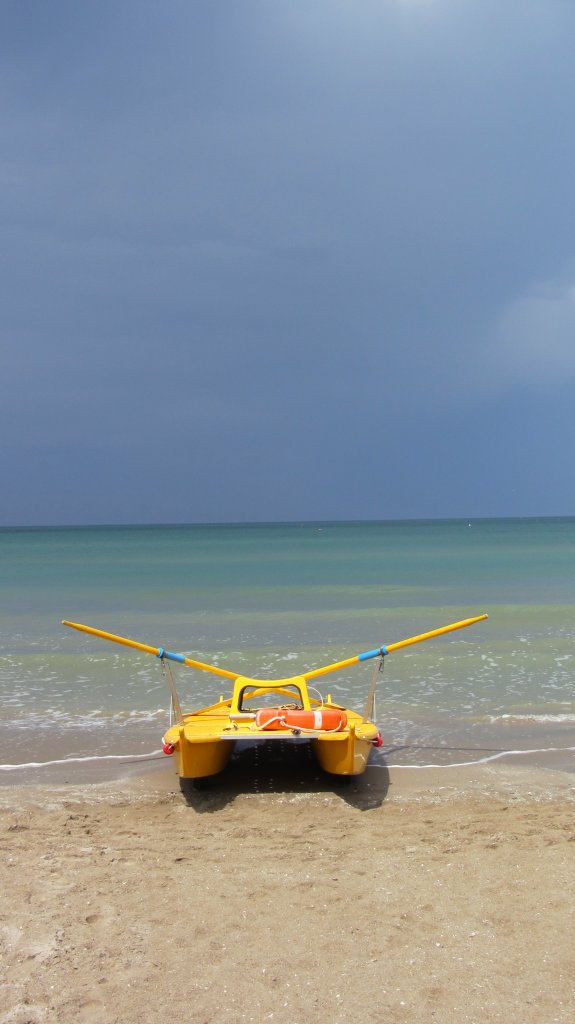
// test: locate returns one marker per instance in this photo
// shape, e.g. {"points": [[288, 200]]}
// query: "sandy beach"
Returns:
{"points": [[406, 896]]}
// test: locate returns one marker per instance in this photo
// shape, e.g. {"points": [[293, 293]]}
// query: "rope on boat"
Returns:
{"points": [[370, 703], [296, 729]]}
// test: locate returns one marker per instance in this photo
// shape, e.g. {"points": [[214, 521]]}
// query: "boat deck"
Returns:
{"points": [[219, 723]]}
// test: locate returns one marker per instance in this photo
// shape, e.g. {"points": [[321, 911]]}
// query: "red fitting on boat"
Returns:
{"points": [[168, 748], [378, 741]]}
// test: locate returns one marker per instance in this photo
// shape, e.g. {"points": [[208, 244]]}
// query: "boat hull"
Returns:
{"points": [[199, 756], [200, 760], [347, 755]]}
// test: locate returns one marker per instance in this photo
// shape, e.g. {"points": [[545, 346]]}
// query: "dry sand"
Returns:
{"points": [[425, 896]]}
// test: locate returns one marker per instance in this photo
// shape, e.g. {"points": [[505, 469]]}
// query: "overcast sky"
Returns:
{"points": [[286, 259]]}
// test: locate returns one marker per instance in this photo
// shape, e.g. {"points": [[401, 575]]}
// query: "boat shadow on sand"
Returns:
{"points": [[283, 768]]}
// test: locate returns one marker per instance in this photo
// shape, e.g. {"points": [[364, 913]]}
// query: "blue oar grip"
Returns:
{"points": [[379, 652], [175, 657], [168, 654]]}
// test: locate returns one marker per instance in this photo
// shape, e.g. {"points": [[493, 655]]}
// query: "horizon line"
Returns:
{"points": [[275, 522]]}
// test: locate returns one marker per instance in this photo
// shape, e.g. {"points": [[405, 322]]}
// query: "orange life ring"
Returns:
{"points": [[324, 719]]}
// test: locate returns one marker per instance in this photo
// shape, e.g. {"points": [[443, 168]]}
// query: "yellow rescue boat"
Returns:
{"points": [[265, 710]]}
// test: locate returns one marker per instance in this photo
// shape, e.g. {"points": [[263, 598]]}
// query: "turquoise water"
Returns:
{"points": [[276, 599]]}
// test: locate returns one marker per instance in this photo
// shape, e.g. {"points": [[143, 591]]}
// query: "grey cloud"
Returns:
{"points": [[279, 246]]}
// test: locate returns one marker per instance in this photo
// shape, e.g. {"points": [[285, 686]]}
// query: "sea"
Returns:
{"points": [[271, 600]]}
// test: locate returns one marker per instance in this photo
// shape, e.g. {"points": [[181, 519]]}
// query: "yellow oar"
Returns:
{"points": [[380, 651], [158, 651]]}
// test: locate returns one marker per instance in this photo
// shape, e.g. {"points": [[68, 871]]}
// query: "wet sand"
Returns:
{"points": [[405, 896]]}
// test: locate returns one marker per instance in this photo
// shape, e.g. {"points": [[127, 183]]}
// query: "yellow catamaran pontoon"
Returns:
{"points": [[264, 709]]}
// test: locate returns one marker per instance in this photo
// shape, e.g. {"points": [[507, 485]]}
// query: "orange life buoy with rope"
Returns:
{"points": [[321, 720]]}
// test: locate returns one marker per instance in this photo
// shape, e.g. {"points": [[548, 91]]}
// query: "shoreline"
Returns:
{"points": [[54, 751], [149, 778], [52, 765]]}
